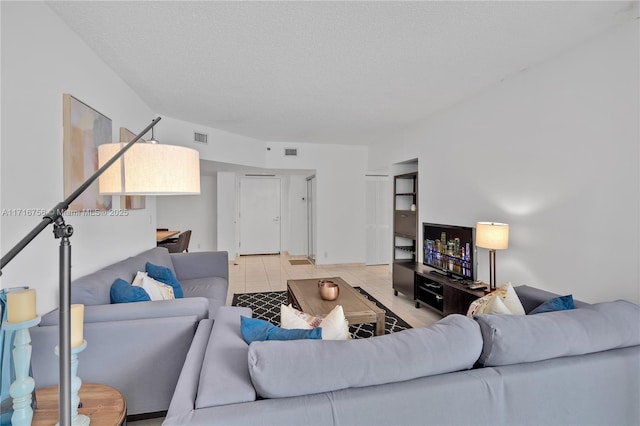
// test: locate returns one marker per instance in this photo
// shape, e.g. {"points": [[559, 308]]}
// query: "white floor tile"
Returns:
{"points": [[270, 273]]}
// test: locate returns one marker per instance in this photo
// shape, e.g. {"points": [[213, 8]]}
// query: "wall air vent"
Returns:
{"points": [[291, 151], [200, 138]]}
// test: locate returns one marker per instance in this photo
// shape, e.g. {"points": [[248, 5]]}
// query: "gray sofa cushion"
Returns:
{"points": [[201, 264], [300, 367], [512, 339], [213, 288], [158, 256], [93, 289], [224, 377], [210, 287]]}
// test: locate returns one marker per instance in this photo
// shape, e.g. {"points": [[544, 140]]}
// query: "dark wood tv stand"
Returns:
{"points": [[442, 294]]}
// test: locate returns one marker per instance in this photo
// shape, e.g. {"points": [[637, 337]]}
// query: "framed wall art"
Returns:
{"points": [[84, 130], [130, 202]]}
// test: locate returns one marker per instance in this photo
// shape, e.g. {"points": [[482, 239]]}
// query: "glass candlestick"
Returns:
{"points": [[22, 388]]}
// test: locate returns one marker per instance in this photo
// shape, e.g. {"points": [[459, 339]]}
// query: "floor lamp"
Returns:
{"points": [[493, 236], [146, 169]]}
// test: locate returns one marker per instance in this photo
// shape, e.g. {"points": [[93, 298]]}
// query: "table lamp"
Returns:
{"points": [[493, 236]]}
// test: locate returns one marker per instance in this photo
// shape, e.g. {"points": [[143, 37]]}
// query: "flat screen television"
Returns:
{"points": [[450, 249]]}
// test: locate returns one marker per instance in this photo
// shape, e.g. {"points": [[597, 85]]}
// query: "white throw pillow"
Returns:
{"points": [[155, 289], [495, 305], [511, 299], [334, 326], [504, 300], [137, 281], [291, 318]]}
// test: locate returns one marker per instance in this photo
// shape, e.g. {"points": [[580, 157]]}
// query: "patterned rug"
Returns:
{"points": [[266, 306]]}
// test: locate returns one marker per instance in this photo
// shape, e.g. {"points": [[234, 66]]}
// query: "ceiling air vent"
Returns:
{"points": [[291, 151], [200, 138]]}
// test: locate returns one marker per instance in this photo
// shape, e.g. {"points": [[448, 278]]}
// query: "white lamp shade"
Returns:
{"points": [[492, 235], [149, 169]]}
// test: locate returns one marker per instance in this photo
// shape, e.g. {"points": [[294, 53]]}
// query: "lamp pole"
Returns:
{"points": [[492, 269], [63, 232]]}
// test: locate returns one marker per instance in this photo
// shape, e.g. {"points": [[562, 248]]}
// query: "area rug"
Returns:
{"points": [[299, 262], [266, 306]]}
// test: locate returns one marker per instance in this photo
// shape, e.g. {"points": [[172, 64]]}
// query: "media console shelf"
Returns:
{"points": [[405, 232], [443, 294]]}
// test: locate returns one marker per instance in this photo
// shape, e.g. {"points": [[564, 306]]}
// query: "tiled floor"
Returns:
{"points": [[250, 274]]}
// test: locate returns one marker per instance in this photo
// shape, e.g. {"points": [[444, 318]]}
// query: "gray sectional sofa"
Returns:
{"points": [[573, 367], [138, 348]]}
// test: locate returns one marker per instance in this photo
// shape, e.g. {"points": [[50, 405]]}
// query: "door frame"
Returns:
{"points": [[311, 218]]}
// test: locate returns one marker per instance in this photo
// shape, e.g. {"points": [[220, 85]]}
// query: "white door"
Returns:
{"points": [[378, 225], [259, 215]]}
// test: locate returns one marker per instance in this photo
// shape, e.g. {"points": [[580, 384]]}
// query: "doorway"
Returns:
{"points": [[311, 219], [378, 220], [259, 215]]}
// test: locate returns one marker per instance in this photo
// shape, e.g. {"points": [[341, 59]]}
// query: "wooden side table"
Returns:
{"points": [[104, 405]]}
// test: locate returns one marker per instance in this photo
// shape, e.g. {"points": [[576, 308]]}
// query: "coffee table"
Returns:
{"points": [[304, 295]]}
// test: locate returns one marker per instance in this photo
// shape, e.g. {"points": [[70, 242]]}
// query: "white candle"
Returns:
{"points": [[21, 305], [77, 325]]}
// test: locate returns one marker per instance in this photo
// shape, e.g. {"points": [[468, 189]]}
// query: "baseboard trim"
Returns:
{"points": [[333, 265]]}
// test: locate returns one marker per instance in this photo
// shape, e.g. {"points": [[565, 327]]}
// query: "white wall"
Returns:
{"points": [[340, 199], [195, 212], [294, 214], [554, 152], [340, 173], [226, 213], [340, 194], [42, 59], [222, 146]]}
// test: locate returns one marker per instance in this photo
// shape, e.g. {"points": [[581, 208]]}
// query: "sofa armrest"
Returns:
{"points": [[141, 358], [197, 306], [204, 264]]}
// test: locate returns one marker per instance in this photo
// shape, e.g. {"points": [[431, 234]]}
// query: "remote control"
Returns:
{"points": [[476, 286]]}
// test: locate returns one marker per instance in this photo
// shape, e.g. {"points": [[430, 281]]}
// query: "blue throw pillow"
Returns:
{"points": [[165, 276], [123, 292], [254, 329], [562, 303]]}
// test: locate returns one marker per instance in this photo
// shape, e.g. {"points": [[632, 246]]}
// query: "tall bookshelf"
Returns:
{"points": [[405, 233]]}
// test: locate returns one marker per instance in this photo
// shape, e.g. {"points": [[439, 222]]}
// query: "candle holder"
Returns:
{"points": [[22, 388], [76, 383]]}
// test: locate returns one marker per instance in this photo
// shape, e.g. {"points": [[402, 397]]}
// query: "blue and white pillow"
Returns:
{"points": [[254, 329]]}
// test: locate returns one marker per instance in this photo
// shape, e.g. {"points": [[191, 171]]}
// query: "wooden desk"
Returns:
{"points": [[164, 235], [104, 405]]}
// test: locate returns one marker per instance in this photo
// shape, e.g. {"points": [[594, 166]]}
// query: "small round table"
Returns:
{"points": [[104, 405]]}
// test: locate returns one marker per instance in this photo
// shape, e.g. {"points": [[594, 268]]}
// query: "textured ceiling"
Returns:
{"points": [[327, 72]]}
